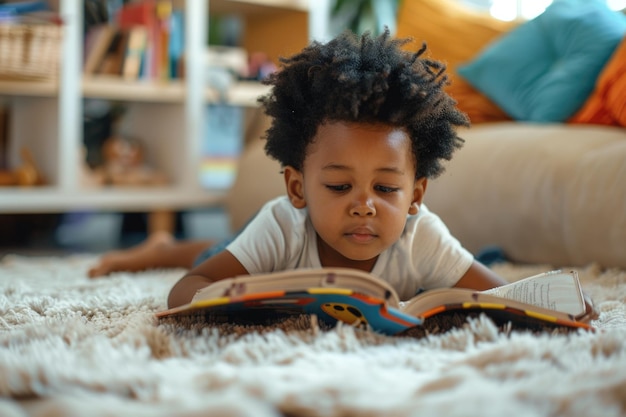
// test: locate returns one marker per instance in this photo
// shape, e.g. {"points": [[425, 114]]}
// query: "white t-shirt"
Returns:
{"points": [[282, 237]]}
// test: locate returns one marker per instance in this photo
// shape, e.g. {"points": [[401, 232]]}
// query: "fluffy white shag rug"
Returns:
{"points": [[70, 346]]}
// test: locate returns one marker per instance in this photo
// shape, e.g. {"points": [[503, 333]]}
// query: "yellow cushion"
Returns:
{"points": [[454, 34]]}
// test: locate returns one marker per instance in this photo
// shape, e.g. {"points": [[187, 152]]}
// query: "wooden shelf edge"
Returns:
{"points": [[46, 88], [258, 6], [51, 199], [244, 93], [116, 88]]}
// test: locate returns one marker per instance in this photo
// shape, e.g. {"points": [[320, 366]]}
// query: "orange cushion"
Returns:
{"points": [[454, 34], [607, 103]]}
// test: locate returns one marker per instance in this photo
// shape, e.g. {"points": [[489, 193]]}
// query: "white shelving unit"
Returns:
{"points": [[47, 118]]}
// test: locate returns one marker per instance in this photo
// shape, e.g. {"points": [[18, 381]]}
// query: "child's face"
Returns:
{"points": [[358, 182]]}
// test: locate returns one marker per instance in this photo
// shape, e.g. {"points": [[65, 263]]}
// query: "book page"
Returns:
{"points": [[555, 290]]}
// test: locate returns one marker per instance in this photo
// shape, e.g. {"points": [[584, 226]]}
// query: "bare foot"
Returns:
{"points": [[138, 258]]}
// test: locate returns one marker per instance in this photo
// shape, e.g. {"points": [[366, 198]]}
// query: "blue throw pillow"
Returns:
{"points": [[545, 69]]}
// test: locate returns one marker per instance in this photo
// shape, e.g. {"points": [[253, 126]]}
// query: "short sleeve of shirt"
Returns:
{"points": [[273, 240]]}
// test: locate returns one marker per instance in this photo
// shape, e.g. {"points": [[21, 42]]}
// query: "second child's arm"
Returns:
{"points": [[217, 267]]}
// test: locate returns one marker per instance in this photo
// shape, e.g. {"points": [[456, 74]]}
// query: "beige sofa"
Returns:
{"points": [[543, 193]]}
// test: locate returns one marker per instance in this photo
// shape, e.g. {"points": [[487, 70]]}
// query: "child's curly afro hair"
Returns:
{"points": [[362, 79]]}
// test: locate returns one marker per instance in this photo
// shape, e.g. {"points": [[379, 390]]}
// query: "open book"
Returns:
{"points": [[355, 297]]}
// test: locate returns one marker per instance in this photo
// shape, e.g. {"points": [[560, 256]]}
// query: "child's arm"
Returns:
{"points": [[217, 267], [479, 277]]}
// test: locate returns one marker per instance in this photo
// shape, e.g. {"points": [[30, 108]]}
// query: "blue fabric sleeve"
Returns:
{"points": [[220, 246]]}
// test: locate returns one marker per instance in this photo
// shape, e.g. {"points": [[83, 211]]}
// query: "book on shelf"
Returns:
{"points": [[162, 27], [177, 44], [97, 44], [144, 40], [113, 60], [550, 299], [14, 8], [137, 40]]}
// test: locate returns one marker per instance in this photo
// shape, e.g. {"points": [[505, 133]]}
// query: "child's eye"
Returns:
{"points": [[385, 189], [338, 188]]}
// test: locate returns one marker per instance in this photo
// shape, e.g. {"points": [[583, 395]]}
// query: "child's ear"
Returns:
{"points": [[419, 189], [295, 187]]}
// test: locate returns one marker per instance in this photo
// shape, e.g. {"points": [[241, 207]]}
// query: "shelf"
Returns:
{"points": [[47, 88], [258, 7], [243, 93], [169, 117], [116, 88], [51, 199]]}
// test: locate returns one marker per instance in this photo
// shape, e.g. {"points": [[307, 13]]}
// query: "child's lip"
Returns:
{"points": [[361, 231], [362, 234]]}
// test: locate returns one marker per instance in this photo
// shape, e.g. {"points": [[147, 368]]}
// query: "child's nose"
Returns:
{"points": [[363, 207]]}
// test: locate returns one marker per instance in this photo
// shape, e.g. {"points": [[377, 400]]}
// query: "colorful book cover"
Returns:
{"points": [[328, 304], [362, 300]]}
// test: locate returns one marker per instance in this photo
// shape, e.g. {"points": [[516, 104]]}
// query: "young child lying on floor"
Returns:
{"points": [[359, 126]]}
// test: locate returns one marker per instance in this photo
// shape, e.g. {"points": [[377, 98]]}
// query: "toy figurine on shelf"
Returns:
{"points": [[124, 163], [119, 159], [260, 66], [26, 175]]}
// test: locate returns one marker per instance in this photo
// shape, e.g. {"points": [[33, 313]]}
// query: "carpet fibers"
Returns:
{"points": [[70, 346]]}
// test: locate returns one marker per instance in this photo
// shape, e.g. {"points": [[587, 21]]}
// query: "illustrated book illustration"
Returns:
{"points": [[358, 298]]}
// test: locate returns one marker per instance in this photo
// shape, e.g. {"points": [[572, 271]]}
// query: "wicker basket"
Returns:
{"points": [[30, 51]]}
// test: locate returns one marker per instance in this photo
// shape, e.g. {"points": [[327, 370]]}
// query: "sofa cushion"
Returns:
{"points": [[544, 193], [478, 107], [607, 103], [545, 69], [258, 180], [454, 34]]}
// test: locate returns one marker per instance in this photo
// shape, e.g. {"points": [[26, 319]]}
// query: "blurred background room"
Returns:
{"points": [[122, 117]]}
